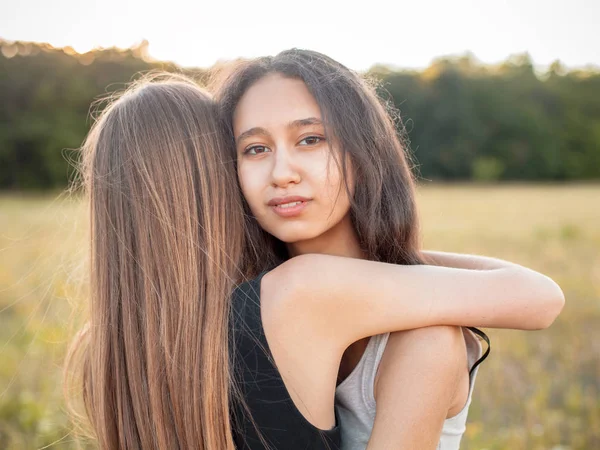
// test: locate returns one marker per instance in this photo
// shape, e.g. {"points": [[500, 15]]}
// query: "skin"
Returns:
{"points": [[432, 366], [282, 151]]}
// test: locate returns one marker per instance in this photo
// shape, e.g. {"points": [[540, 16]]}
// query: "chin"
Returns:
{"points": [[294, 236], [291, 238]]}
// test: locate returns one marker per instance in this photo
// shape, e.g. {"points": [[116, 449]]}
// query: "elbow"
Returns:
{"points": [[540, 299], [557, 304], [552, 305]]}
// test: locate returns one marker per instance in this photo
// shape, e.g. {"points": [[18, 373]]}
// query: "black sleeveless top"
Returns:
{"points": [[270, 406]]}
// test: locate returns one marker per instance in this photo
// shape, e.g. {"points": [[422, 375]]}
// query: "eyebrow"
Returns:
{"points": [[256, 131], [259, 131], [305, 122]]}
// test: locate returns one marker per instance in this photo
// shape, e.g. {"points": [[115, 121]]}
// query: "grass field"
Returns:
{"points": [[538, 390]]}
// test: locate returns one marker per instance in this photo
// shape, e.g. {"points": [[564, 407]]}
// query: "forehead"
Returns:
{"points": [[272, 102]]}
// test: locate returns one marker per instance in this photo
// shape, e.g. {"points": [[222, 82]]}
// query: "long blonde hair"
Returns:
{"points": [[166, 238]]}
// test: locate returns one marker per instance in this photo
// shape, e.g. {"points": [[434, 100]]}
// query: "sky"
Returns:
{"points": [[358, 33]]}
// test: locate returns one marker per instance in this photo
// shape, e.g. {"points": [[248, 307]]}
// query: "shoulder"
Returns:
{"points": [[438, 350], [296, 303], [281, 304], [435, 357]]}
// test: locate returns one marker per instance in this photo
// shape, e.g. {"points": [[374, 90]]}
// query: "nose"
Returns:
{"points": [[285, 170]]}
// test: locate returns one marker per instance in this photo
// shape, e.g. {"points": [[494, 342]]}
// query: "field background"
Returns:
{"points": [[538, 390]]}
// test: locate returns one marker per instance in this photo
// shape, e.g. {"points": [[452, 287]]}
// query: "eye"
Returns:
{"points": [[256, 150], [311, 140]]}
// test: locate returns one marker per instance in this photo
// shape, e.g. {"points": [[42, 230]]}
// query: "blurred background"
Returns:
{"points": [[500, 102]]}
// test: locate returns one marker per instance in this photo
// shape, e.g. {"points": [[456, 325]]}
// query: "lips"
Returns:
{"points": [[289, 206], [277, 201]]}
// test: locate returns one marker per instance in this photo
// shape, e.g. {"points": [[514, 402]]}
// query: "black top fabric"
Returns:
{"points": [[280, 423]]}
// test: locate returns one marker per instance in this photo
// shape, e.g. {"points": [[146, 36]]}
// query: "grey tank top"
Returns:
{"points": [[355, 400]]}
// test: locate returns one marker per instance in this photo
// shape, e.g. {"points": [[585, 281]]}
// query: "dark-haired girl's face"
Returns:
{"points": [[286, 168]]}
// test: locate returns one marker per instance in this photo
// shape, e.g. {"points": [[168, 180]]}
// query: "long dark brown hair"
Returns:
{"points": [[166, 240], [363, 128], [368, 133]]}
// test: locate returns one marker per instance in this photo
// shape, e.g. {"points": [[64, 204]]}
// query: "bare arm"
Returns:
{"points": [[346, 299], [422, 379], [462, 261]]}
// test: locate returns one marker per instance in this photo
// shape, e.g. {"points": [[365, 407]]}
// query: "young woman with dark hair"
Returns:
{"points": [[323, 171]]}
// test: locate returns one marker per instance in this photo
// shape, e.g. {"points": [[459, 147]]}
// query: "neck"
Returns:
{"points": [[340, 240]]}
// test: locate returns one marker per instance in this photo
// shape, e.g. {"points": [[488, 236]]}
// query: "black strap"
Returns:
{"points": [[485, 337]]}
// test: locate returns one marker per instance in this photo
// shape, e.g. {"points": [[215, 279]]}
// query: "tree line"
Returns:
{"points": [[463, 120]]}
